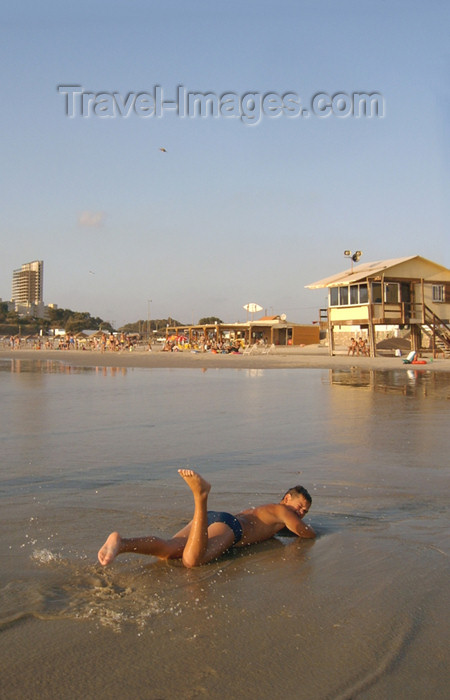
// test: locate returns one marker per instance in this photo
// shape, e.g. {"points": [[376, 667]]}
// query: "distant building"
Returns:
{"points": [[28, 289], [28, 283]]}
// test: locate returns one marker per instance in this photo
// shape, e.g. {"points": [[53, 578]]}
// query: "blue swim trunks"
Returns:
{"points": [[215, 516]]}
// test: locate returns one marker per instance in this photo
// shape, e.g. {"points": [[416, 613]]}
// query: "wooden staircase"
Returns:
{"points": [[438, 331]]}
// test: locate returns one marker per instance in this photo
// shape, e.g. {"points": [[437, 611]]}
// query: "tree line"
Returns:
{"points": [[75, 321]]}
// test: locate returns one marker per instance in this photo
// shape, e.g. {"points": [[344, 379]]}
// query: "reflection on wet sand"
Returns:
{"points": [[20, 366], [412, 382]]}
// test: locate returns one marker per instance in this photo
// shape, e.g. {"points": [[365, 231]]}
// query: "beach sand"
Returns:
{"points": [[308, 357]]}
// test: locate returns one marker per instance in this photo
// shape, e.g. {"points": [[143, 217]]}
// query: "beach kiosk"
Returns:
{"points": [[269, 330], [409, 293]]}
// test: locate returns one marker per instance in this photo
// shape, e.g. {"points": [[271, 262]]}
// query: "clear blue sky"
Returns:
{"points": [[231, 213]]}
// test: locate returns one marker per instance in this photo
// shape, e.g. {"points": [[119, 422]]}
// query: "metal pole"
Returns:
{"points": [[149, 301]]}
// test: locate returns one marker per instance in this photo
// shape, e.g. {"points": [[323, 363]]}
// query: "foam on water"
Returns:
{"points": [[44, 556]]}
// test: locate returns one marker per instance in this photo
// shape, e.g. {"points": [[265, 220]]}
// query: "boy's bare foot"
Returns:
{"points": [[198, 485], [110, 549]]}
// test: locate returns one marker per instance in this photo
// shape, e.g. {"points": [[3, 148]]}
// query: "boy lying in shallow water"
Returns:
{"points": [[211, 533]]}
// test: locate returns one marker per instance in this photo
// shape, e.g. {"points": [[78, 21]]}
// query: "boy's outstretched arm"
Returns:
{"points": [[295, 524]]}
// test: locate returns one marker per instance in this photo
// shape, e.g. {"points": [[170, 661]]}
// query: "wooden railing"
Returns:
{"points": [[439, 328]]}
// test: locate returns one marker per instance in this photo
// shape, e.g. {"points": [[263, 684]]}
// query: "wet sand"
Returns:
{"points": [[357, 614], [310, 357]]}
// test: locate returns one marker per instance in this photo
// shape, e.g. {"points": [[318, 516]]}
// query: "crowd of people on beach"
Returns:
{"points": [[103, 342], [119, 342], [204, 344]]}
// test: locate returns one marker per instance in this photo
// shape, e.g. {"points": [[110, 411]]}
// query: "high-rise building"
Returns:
{"points": [[28, 283]]}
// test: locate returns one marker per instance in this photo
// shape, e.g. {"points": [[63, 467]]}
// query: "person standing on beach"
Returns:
{"points": [[211, 533], [353, 348]]}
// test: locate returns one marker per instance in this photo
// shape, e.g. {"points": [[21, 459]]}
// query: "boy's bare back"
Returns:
{"points": [[261, 523]]}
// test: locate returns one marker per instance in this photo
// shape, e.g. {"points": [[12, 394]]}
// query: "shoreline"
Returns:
{"points": [[311, 357]]}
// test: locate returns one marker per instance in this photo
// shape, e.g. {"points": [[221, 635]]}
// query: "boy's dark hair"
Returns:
{"points": [[299, 491]]}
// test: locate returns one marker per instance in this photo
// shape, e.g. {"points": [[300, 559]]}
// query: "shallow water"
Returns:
{"points": [[352, 614]]}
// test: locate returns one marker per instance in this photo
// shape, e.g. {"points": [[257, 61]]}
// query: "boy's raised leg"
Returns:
{"points": [[192, 543], [203, 544], [197, 542]]}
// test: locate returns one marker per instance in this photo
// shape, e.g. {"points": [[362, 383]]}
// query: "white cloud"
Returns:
{"points": [[91, 219]]}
